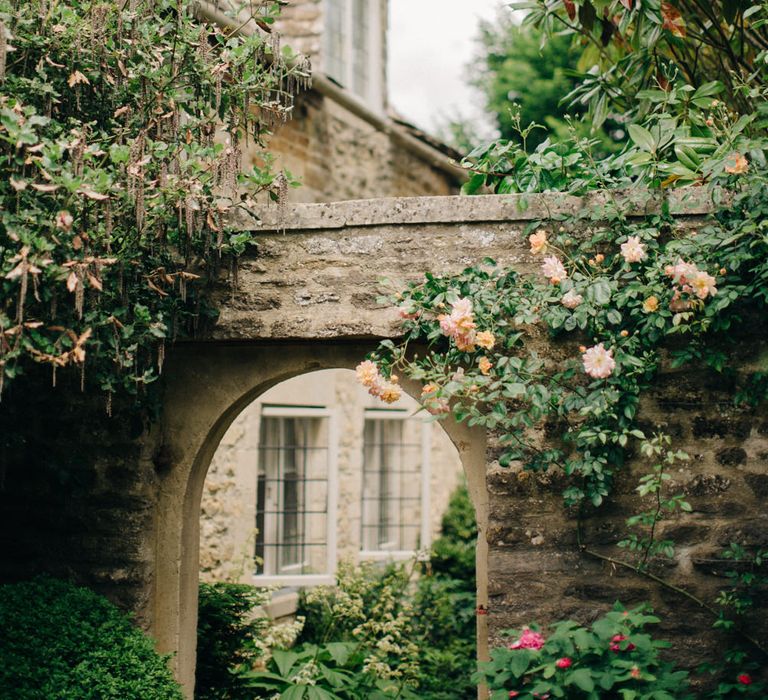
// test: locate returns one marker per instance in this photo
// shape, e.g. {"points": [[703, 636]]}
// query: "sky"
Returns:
{"points": [[430, 44]]}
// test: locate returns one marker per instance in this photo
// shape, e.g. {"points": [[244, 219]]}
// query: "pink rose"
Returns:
{"points": [[564, 663], [528, 640], [598, 362]]}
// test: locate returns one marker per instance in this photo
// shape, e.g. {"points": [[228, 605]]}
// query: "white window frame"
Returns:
{"points": [[327, 578], [376, 30], [425, 529]]}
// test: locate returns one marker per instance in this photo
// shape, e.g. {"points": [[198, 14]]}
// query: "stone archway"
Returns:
{"points": [[208, 386]]}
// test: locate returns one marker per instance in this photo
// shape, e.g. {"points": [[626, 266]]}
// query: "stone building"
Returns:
{"points": [[267, 494], [316, 471], [343, 142]]}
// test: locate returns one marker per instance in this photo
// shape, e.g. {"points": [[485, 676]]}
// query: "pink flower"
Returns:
{"points": [[598, 362], [407, 313], [64, 220], [367, 373], [553, 268], [744, 679], [680, 271], [633, 251], [702, 284], [460, 322], [437, 407], [571, 300], [513, 693], [465, 341], [616, 641], [538, 241], [528, 640], [564, 663], [635, 672]]}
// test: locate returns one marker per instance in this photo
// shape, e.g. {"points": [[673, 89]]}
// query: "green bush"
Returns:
{"points": [[227, 630], [64, 642], [453, 553], [614, 657]]}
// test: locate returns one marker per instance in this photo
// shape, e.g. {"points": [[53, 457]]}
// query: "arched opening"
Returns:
{"points": [[211, 388], [316, 471]]}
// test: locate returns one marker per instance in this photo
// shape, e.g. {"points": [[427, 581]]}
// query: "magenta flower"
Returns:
{"points": [[564, 663], [744, 679], [616, 641], [528, 640]]}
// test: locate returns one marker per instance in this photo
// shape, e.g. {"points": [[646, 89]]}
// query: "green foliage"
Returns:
{"points": [[627, 47], [332, 671], [517, 66], [61, 641], [121, 137], [416, 635], [227, 632], [620, 294], [453, 553], [613, 657]]}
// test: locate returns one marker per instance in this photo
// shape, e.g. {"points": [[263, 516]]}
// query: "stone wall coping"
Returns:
{"points": [[694, 201]]}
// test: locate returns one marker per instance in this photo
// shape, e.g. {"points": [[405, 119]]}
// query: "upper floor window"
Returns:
{"points": [[354, 47]]}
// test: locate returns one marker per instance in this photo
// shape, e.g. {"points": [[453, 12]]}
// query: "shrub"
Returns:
{"points": [[64, 642], [227, 634], [453, 553], [614, 657]]}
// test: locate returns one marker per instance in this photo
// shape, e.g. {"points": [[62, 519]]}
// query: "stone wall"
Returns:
{"points": [[339, 156], [115, 504]]}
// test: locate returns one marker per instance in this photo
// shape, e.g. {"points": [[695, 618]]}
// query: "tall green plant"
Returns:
{"points": [[123, 129]]}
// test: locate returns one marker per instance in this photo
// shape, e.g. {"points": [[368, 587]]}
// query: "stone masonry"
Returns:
{"points": [[116, 503]]}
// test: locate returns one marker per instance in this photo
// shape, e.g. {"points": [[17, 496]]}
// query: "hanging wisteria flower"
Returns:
{"points": [[702, 284], [367, 373], [553, 268], [485, 340], [528, 640], [633, 250], [650, 305], [538, 242], [598, 362], [571, 299]]}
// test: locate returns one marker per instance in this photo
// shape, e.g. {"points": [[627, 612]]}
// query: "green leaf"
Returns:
{"points": [[642, 138], [295, 692], [521, 659], [284, 660], [340, 651], [582, 678]]}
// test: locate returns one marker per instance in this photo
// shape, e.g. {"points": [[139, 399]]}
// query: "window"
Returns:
{"points": [[354, 47], [395, 487], [295, 509]]}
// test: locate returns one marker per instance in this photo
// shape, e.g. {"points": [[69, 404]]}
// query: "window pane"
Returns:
{"points": [[391, 493], [361, 61], [335, 39], [292, 492]]}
